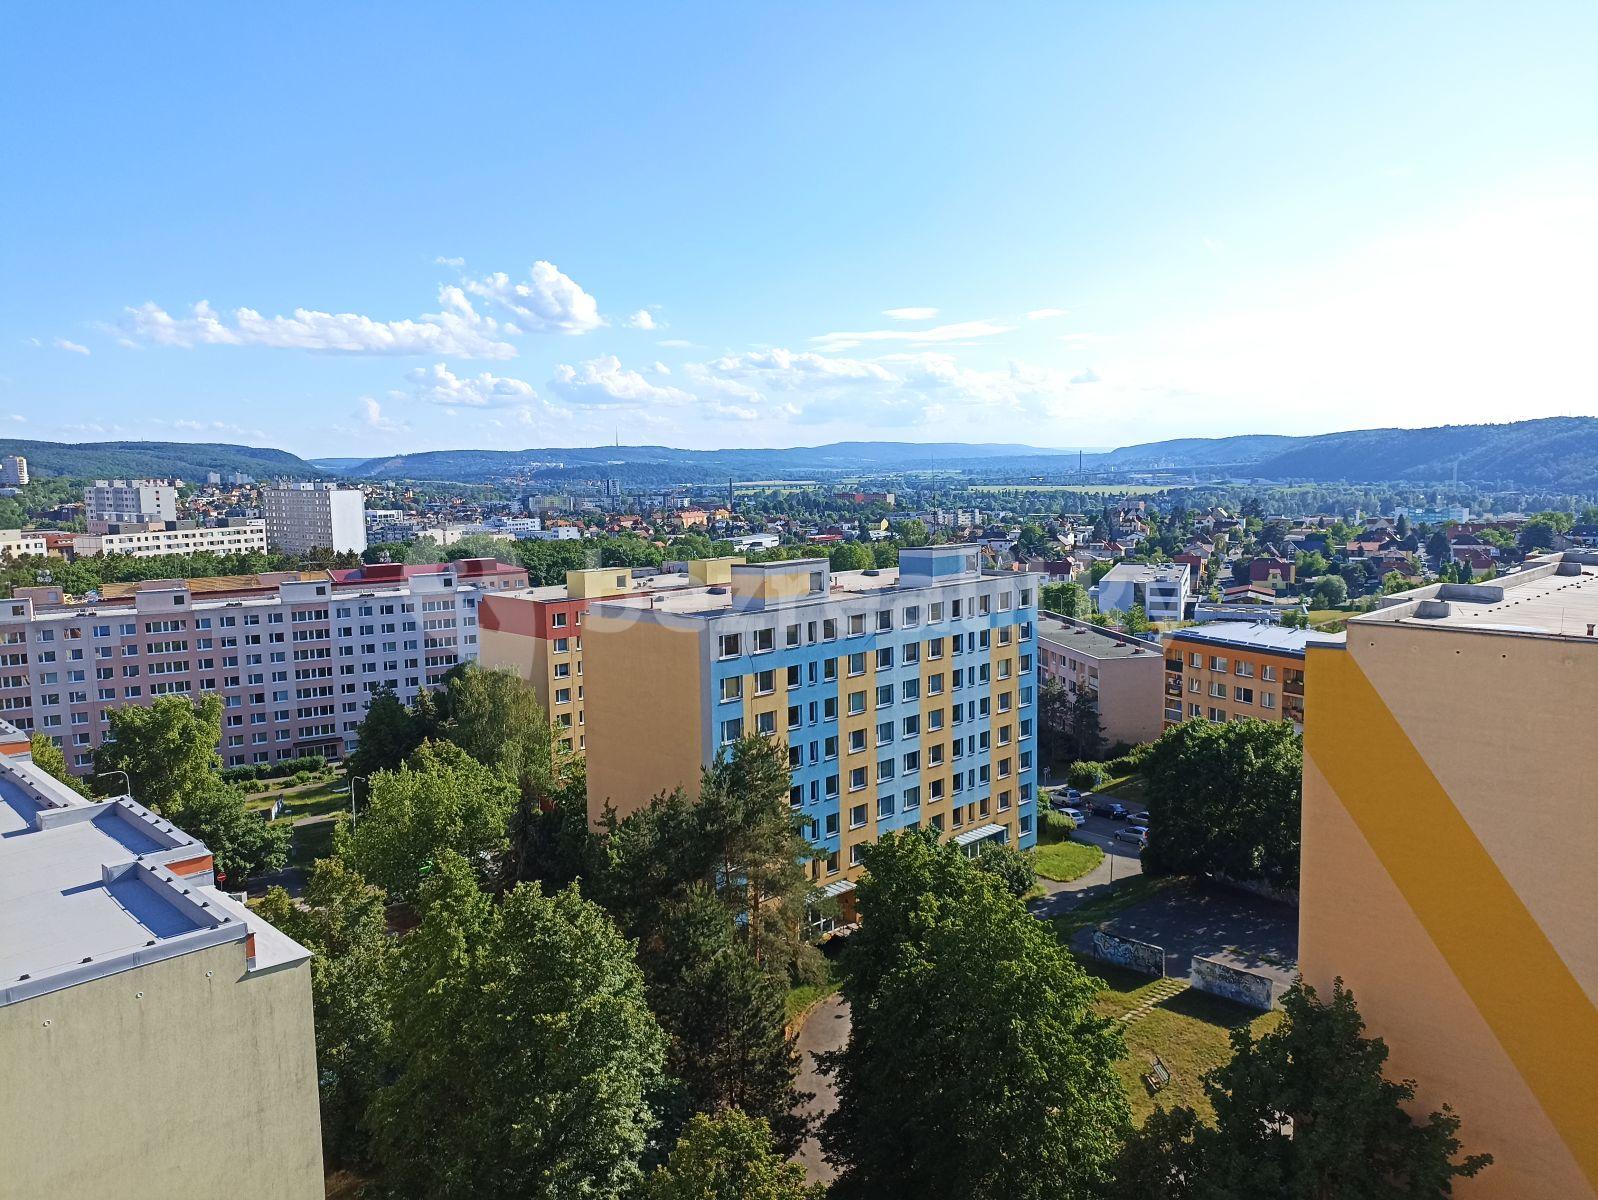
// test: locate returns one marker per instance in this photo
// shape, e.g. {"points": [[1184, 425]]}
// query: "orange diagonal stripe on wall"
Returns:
{"points": [[1521, 986]]}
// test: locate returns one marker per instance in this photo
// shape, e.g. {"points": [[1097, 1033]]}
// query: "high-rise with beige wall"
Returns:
{"points": [[1449, 850], [537, 632], [905, 697], [155, 1035]]}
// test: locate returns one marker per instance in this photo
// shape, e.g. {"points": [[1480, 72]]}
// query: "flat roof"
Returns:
{"points": [[716, 598], [1554, 595], [1258, 635], [87, 889], [1091, 641]]}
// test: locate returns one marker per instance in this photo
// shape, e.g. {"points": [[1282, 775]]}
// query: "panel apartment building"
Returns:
{"points": [[295, 664], [314, 516], [149, 539], [132, 502], [906, 696], [156, 1035], [1450, 836], [1228, 671], [1123, 674], [538, 632]]}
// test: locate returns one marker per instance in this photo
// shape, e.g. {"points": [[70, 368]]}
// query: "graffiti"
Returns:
{"points": [[1128, 953], [1233, 983]]}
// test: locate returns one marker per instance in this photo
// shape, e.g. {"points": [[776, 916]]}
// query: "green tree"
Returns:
{"points": [[725, 1017], [342, 920], [729, 1157], [912, 532], [1225, 798], [442, 799], [1013, 868], [242, 844], [47, 756], [1304, 1112], [1329, 592], [388, 735], [496, 718], [1067, 599], [1437, 548], [524, 1049], [852, 556], [551, 839], [1136, 621], [1034, 541], [973, 1041], [168, 750]]}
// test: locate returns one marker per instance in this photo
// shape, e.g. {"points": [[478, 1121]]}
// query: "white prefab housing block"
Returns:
{"points": [[1160, 589], [132, 501], [311, 516]]}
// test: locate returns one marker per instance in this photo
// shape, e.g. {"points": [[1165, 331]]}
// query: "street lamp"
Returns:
{"points": [[127, 783], [354, 779]]}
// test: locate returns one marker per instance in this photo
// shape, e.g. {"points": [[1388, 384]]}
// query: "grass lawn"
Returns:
{"points": [[312, 841], [1128, 789], [1189, 1032], [311, 800], [1065, 861]]}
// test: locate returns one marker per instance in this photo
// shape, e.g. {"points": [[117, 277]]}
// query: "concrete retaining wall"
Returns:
{"points": [[1234, 983], [1129, 953]]}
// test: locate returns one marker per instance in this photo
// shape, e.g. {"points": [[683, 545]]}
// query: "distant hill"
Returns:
{"points": [[1555, 454], [104, 460], [690, 466]]}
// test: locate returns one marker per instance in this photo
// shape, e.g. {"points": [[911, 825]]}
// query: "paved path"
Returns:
{"points": [[1121, 862], [825, 1029]]}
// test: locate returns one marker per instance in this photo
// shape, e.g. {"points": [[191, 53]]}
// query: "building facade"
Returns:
{"points": [[295, 667], [1161, 589], [149, 540], [156, 1034], [1125, 675], [129, 501], [538, 633], [314, 516], [1449, 838], [14, 543], [1229, 671], [906, 698], [13, 471]]}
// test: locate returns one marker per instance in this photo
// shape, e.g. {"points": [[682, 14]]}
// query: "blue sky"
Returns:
{"points": [[363, 229]]}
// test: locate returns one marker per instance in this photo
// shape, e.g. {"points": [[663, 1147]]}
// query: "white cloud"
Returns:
{"points": [[661, 368], [605, 382], [439, 385], [642, 319], [960, 331], [549, 302], [371, 415], [449, 262], [910, 314], [456, 330], [1047, 314], [675, 343], [1087, 376], [71, 347], [17, 417]]}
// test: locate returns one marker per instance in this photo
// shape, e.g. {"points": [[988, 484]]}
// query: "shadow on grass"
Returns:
{"points": [[1212, 1010]]}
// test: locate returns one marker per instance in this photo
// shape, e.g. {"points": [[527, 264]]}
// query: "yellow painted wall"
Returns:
{"points": [[944, 737], [644, 727], [203, 1086], [1449, 841], [866, 758]]}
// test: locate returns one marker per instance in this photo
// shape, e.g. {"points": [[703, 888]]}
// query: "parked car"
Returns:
{"points": [[1138, 835], [1113, 809], [1077, 816], [1139, 818]]}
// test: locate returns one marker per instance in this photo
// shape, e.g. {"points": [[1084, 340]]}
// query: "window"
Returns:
{"points": [[911, 798], [857, 703], [1268, 674], [911, 725], [765, 683], [857, 740], [766, 723], [765, 640], [857, 854], [732, 730], [1243, 695], [791, 636], [911, 654], [857, 624], [730, 645], [884, 695], [885, 807], [1244, 670], [1196, 659], [885, 658], [857, 663], [1267, 699], [1218, 690], [858, 780]]}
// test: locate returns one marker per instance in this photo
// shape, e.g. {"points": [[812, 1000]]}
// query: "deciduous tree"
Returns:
{"points": [[47, 756], [729, 1157], [168, 750], [975, 1066]]}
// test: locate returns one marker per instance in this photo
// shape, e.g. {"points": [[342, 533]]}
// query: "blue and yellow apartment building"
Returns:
{"points": [[906, 696]]}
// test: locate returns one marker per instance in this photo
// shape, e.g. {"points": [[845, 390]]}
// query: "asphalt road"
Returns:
{"points": [[825, 1029]]}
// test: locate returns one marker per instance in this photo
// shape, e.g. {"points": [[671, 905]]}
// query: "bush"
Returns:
{"points": [[1085, 775], [301, 778], [1055, 827], [1013, 867]]}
